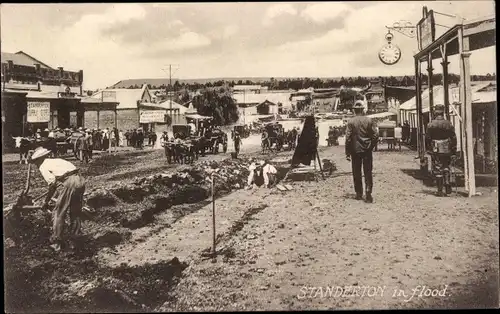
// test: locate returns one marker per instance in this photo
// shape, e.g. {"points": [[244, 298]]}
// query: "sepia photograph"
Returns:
{"points": [[249, 156]]}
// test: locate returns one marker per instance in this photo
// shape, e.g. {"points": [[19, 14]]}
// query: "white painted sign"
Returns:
{"points": [[426, 31], [38, 112], [152, 116], [108, 95]]}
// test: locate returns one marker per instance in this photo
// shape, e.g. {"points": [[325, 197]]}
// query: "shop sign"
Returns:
{"points": [[426, 30], [152, 116], [38, 112]]}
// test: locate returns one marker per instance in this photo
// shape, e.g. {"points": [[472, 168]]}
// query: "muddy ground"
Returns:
{"points": [[146, 248]]}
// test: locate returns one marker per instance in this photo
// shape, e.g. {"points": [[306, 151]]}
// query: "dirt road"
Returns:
{"points": [[285, 250]]}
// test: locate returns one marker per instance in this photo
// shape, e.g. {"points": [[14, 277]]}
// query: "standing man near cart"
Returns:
{"points": [[69, 202], [360, 139]]}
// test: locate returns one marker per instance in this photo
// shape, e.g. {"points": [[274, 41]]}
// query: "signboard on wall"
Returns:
{"points": [[38, 112], [108, 95], [426, 30], [152, 116]]}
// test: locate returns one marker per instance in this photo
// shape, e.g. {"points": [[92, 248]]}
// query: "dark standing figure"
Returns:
{"points": [[361, 137], [140, 139], [237, 143], [134, 139], [154, 137], [116, 134], [441, 142], [405, 133], [148, 136], [127, 137]]}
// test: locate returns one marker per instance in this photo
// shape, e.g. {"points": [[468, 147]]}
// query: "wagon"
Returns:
{"points": [[242, 130], [386, 134], [181, 131]]}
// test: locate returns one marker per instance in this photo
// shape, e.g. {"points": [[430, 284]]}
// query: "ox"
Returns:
{"points": [[25, 146]]}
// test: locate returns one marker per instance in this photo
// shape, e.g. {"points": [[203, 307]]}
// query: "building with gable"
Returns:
{"points": [[37, 96], [134, 108]]}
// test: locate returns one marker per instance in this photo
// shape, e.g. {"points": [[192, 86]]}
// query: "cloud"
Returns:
{"points": [[322, 12], [112, 42], [230, 31], [278, 10], [186, 41]]}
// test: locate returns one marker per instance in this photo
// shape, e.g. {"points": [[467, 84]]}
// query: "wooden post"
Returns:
{"points": [[98, 117], [430, 86], [465, 63], [446, 96], [214, 252], [116, 118], [463, 96], [418, 87]]}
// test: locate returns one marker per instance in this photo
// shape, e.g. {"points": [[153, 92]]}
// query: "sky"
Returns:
{"points": [[113, 42]]}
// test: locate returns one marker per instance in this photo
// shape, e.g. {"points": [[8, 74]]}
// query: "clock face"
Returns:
{"points": [[390, 54]]}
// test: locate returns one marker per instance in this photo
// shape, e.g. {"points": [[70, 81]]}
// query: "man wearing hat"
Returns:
{"points": [[255, 177], [89, 144], [269, 173], [57, 171], [441, 143], [361, 136], [237, 142]]}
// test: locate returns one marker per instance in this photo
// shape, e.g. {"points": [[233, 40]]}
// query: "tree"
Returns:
{"points": [[217, 103]]}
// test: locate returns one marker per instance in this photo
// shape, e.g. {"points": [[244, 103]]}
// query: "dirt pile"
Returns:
{"points": [[134, 205]]}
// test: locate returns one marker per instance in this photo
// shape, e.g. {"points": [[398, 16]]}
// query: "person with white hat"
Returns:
{"points": [[70, 199], [360, 139], [269, 174], [255, 178]]}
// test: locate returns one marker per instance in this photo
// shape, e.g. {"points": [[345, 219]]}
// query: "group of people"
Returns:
{"points": [[334, 132], [135, 138], [262, 174]]}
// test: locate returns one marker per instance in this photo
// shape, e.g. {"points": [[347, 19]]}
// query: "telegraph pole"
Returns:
{"points": [[170, 83]]}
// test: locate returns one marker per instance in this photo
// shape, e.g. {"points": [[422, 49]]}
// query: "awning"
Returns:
{"points": [[196, 116], [381, 115], [478, 96]]}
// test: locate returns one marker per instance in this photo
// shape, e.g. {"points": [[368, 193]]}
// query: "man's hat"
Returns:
{"points": [[358, 105], [38, 131], [39, 153], [438, 109]]}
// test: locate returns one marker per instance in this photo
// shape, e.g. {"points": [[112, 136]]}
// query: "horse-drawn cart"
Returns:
{"points": [[387, 134]]}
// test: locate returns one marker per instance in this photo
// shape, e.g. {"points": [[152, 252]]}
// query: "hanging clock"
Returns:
{"points": [[390, 53]]}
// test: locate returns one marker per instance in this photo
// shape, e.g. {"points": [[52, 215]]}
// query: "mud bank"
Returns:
{"points": [[38, 279]]}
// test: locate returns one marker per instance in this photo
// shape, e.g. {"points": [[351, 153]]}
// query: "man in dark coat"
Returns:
{"points": [[361, 136]]}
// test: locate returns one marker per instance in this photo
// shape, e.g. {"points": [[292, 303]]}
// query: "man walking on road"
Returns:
{"points": [[361, 136]]}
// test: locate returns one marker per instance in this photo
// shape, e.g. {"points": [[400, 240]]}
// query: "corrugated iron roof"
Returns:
{"points": [[477, 96], [22, 58], [126, 98], [166, 105], [276, 98]]}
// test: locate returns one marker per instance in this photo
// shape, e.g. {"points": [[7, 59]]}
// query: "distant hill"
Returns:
{"points": [[157, 82], [165, 81]]}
